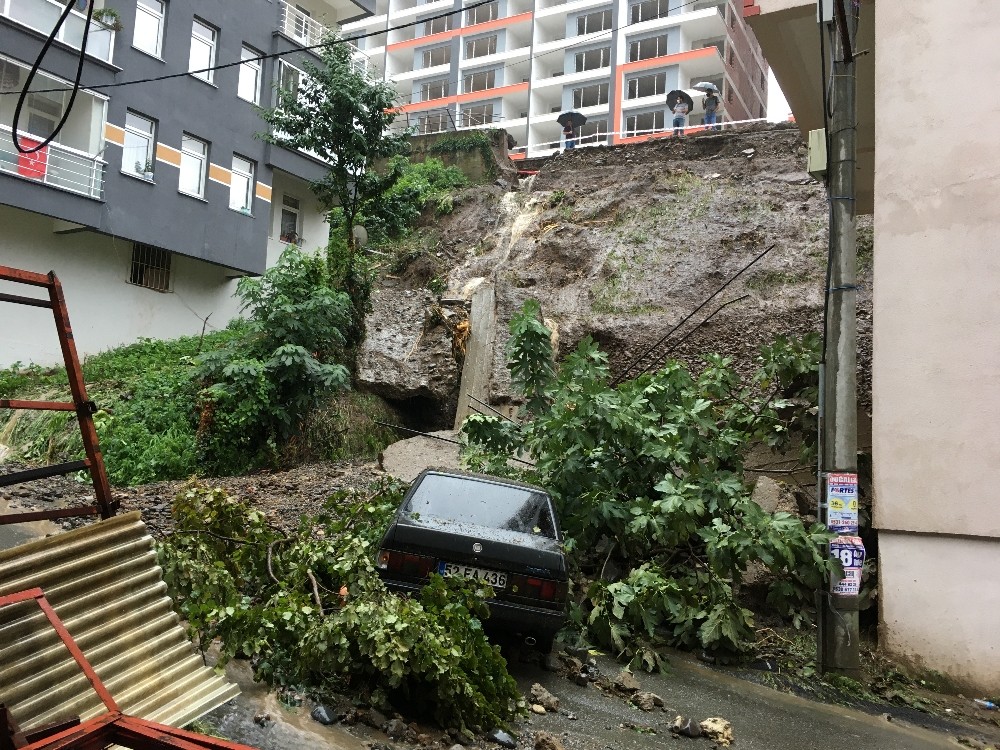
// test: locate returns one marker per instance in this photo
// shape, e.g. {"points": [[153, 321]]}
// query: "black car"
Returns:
{"points": [[475, 526]]}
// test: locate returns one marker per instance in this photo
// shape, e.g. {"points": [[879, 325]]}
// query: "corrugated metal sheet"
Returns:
{"points": [[104, 583]]}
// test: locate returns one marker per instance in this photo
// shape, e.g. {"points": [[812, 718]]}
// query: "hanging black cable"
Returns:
{"points": [[628, 368], [14, 127]]}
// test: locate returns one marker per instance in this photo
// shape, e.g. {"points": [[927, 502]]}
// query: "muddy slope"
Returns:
{"points": [[622, 243]]}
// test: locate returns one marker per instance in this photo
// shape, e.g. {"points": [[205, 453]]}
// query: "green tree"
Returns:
{"points": [[344, 117], [651, 472]]}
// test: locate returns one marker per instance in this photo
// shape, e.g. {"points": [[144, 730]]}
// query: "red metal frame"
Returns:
{"points": [[114, 727], [81, 404]]}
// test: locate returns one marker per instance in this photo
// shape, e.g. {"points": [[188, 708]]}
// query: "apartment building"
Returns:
{"points": [[156, 196], [518, 64]]}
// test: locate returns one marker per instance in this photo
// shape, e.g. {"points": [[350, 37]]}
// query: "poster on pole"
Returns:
{"points": [[842, 503], [850, 550]]}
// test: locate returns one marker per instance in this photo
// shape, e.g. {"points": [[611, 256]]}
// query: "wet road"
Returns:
{"points": [[762, 718]]}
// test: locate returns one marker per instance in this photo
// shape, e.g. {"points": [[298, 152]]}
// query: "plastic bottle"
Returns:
{"points": [[988, 705]]}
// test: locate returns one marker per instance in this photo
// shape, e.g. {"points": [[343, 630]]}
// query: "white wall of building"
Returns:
{"points": [[313, 226], [105, 310], [936, 370]]}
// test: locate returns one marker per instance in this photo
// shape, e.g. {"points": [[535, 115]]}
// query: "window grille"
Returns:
{"points": [[150, 267]]}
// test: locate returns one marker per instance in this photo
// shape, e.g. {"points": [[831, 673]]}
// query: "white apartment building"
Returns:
{"points": [[517, 64]]}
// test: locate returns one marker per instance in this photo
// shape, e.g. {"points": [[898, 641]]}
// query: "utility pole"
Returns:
{"points": [[839, 631]]}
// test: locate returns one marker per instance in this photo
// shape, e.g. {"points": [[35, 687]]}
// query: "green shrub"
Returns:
{"points": [[652, 471], [421, 183], [260, 386], [310, 610]]}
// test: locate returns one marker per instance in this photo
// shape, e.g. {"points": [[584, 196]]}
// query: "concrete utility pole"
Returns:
{"points": [[839, 634]]}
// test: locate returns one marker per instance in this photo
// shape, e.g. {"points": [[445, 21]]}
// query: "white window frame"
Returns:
{"points": [[477, 114], [659, 85], [438, 25], [580, 98], [604, 59], [661, 45], [433, 122], [250, 67], [191, 158], [632, 123], [148, 136], [482, 13], [591, 23], [481, 46], [488, 77], [147, 9], [241, 184], [427, 87], [430, 53], [295, 211], [210, 42]]}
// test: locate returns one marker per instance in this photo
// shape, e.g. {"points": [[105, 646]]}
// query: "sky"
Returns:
{"points": [[777, 107]]}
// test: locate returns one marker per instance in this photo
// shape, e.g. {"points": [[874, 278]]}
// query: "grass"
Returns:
{"points": [[148, 415], [763, 281]]}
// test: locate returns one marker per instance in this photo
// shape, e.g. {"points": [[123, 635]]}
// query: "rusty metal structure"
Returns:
{"points": [[110, 728], [105, 506], [104, 582]]}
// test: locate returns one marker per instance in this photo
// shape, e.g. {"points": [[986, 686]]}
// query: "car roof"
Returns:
{"points": [[480, 478]]}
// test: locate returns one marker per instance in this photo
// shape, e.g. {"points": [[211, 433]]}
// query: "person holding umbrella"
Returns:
{"points": [[710, 102], [570, 122], [680, 104]]}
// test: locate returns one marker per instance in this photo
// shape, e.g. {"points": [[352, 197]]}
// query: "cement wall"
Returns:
{"points": [[472, 163], [105, 310], [936, 376]]}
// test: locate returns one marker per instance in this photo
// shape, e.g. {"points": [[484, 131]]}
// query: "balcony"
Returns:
{"points": [[300, 26], [42, 16], [57, 166]]}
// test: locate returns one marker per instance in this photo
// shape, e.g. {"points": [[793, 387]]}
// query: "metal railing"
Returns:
{"points": [[42, 15], [300, 27], [55, 165]]}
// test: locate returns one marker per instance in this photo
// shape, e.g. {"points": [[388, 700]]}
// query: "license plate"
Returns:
{"points": [[495, 578]]}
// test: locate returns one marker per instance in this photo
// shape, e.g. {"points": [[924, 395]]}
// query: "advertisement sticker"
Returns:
{"points": [[842, 503], [850, 550]]}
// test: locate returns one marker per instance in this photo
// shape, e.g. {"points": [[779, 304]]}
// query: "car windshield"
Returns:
{"points": [[469, 500]]}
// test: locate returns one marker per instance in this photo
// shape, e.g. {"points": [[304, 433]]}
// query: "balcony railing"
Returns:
{"points": [[55, 165], [300, 27], [42, 16]]}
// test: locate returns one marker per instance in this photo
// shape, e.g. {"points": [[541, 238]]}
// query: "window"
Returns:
{"points": [[249, 85], [762, 112], [590, 96], [593, 22], [647, 10], [595, 131], [437, 56], [732, 56], [289, 219], [644, 123], [194, 163], [477, 114], [481, 81], [202, 56], [241, 184], [593, 59], [482, 14], [150, 267], [439, 25], [43, 112], [650, 85], [729, 94], [763, 80], [140, 138], [433, 89], [643, 49], [289, 77], [300, 24], [433, 122], [148, 33], [484, 45], [718, 42]]}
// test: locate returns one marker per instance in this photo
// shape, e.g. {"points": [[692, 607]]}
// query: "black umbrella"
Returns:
{"points": [[676, 94], [573, 119]]}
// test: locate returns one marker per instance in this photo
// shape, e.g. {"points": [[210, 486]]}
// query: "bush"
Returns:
{"points": [[419, 185], [259, 387], [652, 472], [310, 611]]}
